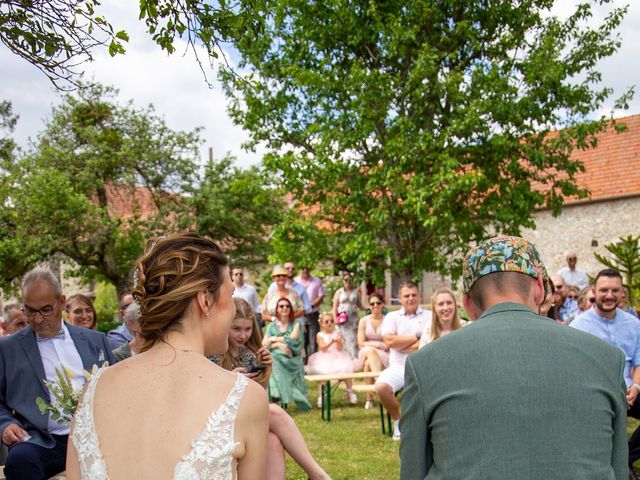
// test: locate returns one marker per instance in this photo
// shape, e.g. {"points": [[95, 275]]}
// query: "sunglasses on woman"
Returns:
{"points": [[375, 304], [284, 306]]}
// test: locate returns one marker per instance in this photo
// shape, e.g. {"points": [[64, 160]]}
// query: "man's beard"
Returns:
{"points": [[601, 307]]}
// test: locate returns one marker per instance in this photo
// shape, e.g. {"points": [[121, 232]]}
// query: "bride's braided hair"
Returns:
{"points": [[169, 274]]}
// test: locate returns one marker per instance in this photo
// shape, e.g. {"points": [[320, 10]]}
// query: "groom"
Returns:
{"points": [[37, 444], [513, 395]]}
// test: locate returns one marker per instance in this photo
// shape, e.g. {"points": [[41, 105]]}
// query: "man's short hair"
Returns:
{"points": [[501, 283], [41, 275], [407, 284], [8, 307], [608, 272]]}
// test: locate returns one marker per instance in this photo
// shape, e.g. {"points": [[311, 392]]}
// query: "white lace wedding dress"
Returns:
{"points": [[210, 456]]}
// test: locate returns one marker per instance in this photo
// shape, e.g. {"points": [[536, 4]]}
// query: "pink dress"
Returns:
{"points": [[330, 361], [374, 339]]}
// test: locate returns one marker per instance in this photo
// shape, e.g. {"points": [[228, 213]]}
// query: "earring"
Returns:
{"points": [[208, 312]]}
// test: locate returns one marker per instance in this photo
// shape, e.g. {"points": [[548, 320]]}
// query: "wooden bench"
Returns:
{"points": [[326, 388]]}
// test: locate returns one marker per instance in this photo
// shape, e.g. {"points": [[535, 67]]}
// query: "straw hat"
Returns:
{"points": [[279, 270]]}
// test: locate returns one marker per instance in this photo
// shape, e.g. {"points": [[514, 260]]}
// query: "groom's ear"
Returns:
{"points": [[470, 307]]}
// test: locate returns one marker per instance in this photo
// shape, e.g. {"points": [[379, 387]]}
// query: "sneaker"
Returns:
{"points": [[319, 401], [368, 404], [353, 399], [396, 430]]}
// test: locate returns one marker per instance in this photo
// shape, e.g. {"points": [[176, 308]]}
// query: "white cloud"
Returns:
{"points": [[175, 85]]}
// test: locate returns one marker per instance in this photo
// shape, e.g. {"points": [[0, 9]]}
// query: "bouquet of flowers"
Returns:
{"points": [[64, 397]]}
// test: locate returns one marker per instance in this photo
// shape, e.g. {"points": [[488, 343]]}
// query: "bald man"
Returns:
{"points": [[572, 275]]}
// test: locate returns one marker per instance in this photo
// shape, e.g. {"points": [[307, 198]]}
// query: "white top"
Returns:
{"points": [[211, 454], [249, 294], [405, 325], [58, 352], [575, 277]]}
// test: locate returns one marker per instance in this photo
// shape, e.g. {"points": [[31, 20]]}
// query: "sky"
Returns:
{"points": [[176, 87]]}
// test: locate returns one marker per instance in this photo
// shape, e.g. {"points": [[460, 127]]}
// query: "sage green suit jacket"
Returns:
{"points": [[514, 396]]}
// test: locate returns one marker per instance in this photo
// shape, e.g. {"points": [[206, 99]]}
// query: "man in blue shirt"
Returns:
{"points": [[620, 329]]}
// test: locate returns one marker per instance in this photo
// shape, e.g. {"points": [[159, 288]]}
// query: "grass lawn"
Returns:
{"points": [[349, 447]]}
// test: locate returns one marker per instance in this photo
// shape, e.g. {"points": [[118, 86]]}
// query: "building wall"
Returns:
{"points": [[579, 227]]}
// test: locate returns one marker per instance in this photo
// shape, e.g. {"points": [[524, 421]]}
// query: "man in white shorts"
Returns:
{"points": [[401, 332]]}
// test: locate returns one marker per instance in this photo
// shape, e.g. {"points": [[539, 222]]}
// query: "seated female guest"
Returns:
{"points": [[192, 418], [247, 356], [586, 298], [80, 311], [445, 316], [373, 353], [283, 339]]}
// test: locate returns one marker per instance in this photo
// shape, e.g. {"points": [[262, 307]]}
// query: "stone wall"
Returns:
{"points": [[585, 229]]}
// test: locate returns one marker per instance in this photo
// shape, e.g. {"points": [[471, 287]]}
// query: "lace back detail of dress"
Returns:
{"points": [[211, 454], [84, 437]]}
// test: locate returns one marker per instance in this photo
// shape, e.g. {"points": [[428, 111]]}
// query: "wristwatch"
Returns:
{"points": [[636, 386]]}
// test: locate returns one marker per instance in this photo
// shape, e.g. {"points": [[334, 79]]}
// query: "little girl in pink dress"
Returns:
{"points": [[330, 358]]}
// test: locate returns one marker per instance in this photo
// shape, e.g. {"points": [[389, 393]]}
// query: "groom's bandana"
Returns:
{"points": [[502, 254]]}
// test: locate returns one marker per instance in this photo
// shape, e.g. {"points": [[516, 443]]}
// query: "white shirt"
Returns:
{"points": [[576, 277], [398, 323], [55, 353], [249, 294]]}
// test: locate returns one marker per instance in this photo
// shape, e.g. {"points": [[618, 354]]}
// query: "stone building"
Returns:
{"points": [[612, 210]]}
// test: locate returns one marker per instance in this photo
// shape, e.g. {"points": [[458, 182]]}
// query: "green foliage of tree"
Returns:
{"points": [[299, 239], [57, 36], [237, 208], [417, 128], [100, 179], [625, 257], [106, 305]]}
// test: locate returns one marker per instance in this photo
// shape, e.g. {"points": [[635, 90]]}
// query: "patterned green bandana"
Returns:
{"points": [[502, 254]]}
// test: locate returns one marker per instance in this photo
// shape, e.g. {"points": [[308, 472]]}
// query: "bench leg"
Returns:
{"points": [[382, 418], [328, 401]]}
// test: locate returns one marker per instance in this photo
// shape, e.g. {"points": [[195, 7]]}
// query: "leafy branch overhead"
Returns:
{"points": [[59, 36], [416, 128]]}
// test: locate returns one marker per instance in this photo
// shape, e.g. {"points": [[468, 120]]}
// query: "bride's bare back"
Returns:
{"points": [[147, 411]]}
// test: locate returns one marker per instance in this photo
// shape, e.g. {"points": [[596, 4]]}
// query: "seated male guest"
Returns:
{"points": [[37, 444], [131, 322], [513, 395]]}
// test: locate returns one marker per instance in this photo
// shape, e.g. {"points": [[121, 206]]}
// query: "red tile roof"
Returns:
{"points": [[612, 169], [130, 202]]}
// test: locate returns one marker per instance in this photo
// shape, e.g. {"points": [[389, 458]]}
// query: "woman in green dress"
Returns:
{"points": [[283, 339]]}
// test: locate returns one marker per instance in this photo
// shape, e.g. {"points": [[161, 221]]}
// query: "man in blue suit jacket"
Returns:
{"points": [[37, 444]]}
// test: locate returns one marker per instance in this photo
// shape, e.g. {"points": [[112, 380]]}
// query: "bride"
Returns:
{"points": [[169, 412]]}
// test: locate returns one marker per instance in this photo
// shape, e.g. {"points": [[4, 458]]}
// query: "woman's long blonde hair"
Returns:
{"points": [[436, 324], [244, 311]]}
